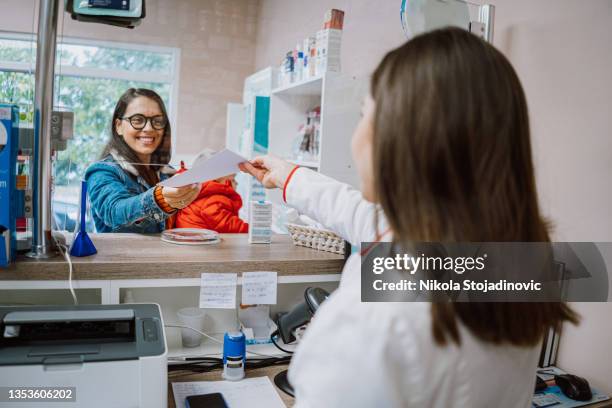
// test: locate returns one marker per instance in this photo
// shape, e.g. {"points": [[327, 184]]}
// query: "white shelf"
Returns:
{"points": [[339, 98], [211, 349], [307, 87], [305, 163], [216, 321]]}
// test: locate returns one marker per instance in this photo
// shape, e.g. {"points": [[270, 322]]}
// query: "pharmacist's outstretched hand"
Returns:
{"points": [[271, 171]]}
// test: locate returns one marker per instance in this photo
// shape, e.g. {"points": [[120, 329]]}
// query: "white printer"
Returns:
{"points": [[111, 356]]}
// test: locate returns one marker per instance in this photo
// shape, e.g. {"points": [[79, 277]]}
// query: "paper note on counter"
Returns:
{"points": [[255, 392], [221, 164], [218, 290], [259, 288]]}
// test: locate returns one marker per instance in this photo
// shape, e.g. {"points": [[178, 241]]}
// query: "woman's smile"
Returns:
{"points": [[146, 140]]}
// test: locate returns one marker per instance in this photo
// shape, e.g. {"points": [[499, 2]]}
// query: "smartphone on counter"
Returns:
{"points": [[213, 400]]}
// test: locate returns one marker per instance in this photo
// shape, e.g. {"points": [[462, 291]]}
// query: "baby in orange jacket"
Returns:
{"points": [[216, 207]]}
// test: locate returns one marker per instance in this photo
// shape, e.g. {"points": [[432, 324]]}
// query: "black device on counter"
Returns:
{"points": [[574, 387], [213, 400], [300, 314], [288, 322]]}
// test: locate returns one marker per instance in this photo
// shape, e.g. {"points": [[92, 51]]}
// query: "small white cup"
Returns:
{"points": [[192, 317]]}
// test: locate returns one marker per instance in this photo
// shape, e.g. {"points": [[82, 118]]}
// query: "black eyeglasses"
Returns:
{"points": [[139, 121]]}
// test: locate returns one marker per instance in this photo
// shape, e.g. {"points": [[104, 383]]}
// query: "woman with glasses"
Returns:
{"points": [[123, 185]]}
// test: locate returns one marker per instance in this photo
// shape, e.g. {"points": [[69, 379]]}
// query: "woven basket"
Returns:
{"points": [[322, 240]]}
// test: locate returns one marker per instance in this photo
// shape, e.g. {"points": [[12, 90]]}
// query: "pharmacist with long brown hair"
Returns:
{"points": [[443, 150]]}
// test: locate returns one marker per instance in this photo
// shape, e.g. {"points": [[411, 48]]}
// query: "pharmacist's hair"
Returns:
{"points": [[452, 163], [161, 155]]}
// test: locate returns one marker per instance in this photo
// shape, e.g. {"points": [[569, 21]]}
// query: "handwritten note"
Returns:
{"points": [[221, 164], [259, 288], [255, 392], [218, 290]]}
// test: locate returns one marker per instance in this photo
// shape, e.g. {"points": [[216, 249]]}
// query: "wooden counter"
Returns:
{"points": [[136, 256]]}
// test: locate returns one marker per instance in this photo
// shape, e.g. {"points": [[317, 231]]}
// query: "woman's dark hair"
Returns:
{"points": [[452, 163], [161, 155]]}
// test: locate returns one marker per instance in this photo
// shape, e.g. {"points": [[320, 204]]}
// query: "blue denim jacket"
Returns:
{"points": [[121, 202]]}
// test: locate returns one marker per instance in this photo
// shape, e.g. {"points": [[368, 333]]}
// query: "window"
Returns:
{"points": [[90, 78]]}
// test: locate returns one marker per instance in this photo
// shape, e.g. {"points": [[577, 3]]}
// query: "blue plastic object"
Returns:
{"points": [[234, 355], [82, 245], [4, 256], [234, 345], [9, 140]]}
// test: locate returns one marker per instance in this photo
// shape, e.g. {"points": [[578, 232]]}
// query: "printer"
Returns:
{"points": [[96, 355]]}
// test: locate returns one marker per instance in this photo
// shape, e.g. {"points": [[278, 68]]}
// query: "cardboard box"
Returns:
{"points": [[334, 19]]}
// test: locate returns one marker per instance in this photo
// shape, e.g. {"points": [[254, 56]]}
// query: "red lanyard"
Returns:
{"points": [[365, 251]]}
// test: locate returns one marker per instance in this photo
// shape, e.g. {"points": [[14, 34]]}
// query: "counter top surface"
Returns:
{"points": [[136, 256], [215, 375]]}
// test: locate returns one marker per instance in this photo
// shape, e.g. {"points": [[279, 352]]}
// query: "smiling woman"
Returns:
{"points": [[123, 186], [137, 138]]}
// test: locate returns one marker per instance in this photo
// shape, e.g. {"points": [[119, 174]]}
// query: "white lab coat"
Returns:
{"points": [[356, 354]]}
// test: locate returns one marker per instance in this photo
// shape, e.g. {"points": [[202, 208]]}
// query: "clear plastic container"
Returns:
{"points": [[192, 317]]}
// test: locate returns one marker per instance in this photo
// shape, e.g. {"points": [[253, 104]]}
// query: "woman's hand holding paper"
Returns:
{"points": [[269, 170], [181, 197]]}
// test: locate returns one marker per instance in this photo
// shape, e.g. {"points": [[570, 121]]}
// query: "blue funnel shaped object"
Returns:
{"points": [[82, 245]]}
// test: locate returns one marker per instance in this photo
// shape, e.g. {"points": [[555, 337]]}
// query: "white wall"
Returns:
{"points": [[562, 51]]}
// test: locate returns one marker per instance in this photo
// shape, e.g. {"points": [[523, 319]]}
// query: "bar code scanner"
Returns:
{"points": [[287, 324], [300, 314]]}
